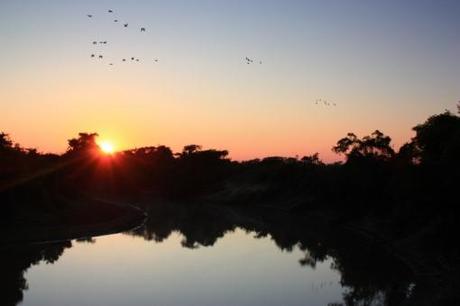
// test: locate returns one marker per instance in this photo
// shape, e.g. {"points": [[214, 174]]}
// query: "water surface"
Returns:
{"points": [[193, 255], [239, 269]]}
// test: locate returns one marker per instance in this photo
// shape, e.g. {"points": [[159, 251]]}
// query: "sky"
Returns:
{"points": [[387, 65]]}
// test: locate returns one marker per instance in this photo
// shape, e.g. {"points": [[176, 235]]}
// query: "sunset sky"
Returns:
{"points": [[387, 65]]}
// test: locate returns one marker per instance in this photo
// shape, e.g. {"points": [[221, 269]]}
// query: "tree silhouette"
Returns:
{"points": [[375, 146], [84, 142], [437, 140], [5, 141], [190, 149], [312, 160]]}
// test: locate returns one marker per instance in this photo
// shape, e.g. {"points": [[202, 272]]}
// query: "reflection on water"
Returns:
{"points": [[238, 270], [197, 256]]}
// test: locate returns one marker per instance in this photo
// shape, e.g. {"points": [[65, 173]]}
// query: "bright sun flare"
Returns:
{"points": [[106, 147]]}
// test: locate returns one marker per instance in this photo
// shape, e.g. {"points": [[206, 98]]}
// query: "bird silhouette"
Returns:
{"points": [[137, 59], [94, 42], [325, 102], [116, 20], [89, 15], [100, 56], [92, 55], [111, 64], [132, 58], [110, 11], [156, 60], [142, 29], [124, 60], [125, 25]]}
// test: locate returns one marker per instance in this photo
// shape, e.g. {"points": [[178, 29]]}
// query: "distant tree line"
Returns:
{"points": [[371, 167], [410, 188], [409, 194]]}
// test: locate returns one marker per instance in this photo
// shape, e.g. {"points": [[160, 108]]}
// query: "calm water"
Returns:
{"points": [[197, 256], [127, 270]]}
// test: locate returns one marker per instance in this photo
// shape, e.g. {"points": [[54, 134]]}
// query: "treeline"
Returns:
{"points": [[408, 196], [426, 168], [410, 188]]}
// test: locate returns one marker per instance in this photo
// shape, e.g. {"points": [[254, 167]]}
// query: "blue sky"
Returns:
{"points": [[386, 64]]}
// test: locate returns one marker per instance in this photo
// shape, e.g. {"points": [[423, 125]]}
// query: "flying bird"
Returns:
{"points": [[110, 11], [125, 25], [92, 55], [100, 56], [111, 64], [89, 15], [124, 60], [137, 59], [116, 20], [156, 60], [142, 29], [94, 42], [132, 58]]}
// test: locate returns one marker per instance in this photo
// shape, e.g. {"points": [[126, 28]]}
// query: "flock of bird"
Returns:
{"points": [[251, 61], [125, 25], [321, 102], [247, 60]]}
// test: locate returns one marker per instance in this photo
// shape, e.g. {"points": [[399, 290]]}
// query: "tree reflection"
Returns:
{"points": [[370, 275], [16, 261]]}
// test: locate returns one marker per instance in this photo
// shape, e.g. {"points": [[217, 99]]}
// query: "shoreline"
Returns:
{"points": [[47, 234]]}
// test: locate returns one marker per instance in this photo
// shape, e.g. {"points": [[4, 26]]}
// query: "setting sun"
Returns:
{"points": [[106, 147]]}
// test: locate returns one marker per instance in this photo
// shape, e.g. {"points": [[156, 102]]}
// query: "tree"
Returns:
{"points": [[312, 160], [84, 142], [5, 141], [347, 145], [438, 139], [375, 146], [190, 149], [407, 154]]}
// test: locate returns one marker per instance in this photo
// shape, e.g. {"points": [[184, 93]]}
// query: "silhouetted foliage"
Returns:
{"points": [[403, 196], [83, 143], [312, 160], [5, 142], [375, 146], [437, 140]]}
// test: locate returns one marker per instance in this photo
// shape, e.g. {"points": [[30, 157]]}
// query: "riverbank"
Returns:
{"points": [[88, 218]]}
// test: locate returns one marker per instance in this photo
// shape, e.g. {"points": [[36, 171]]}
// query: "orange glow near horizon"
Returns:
{"points": [[106, 146], [202, 91]]}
